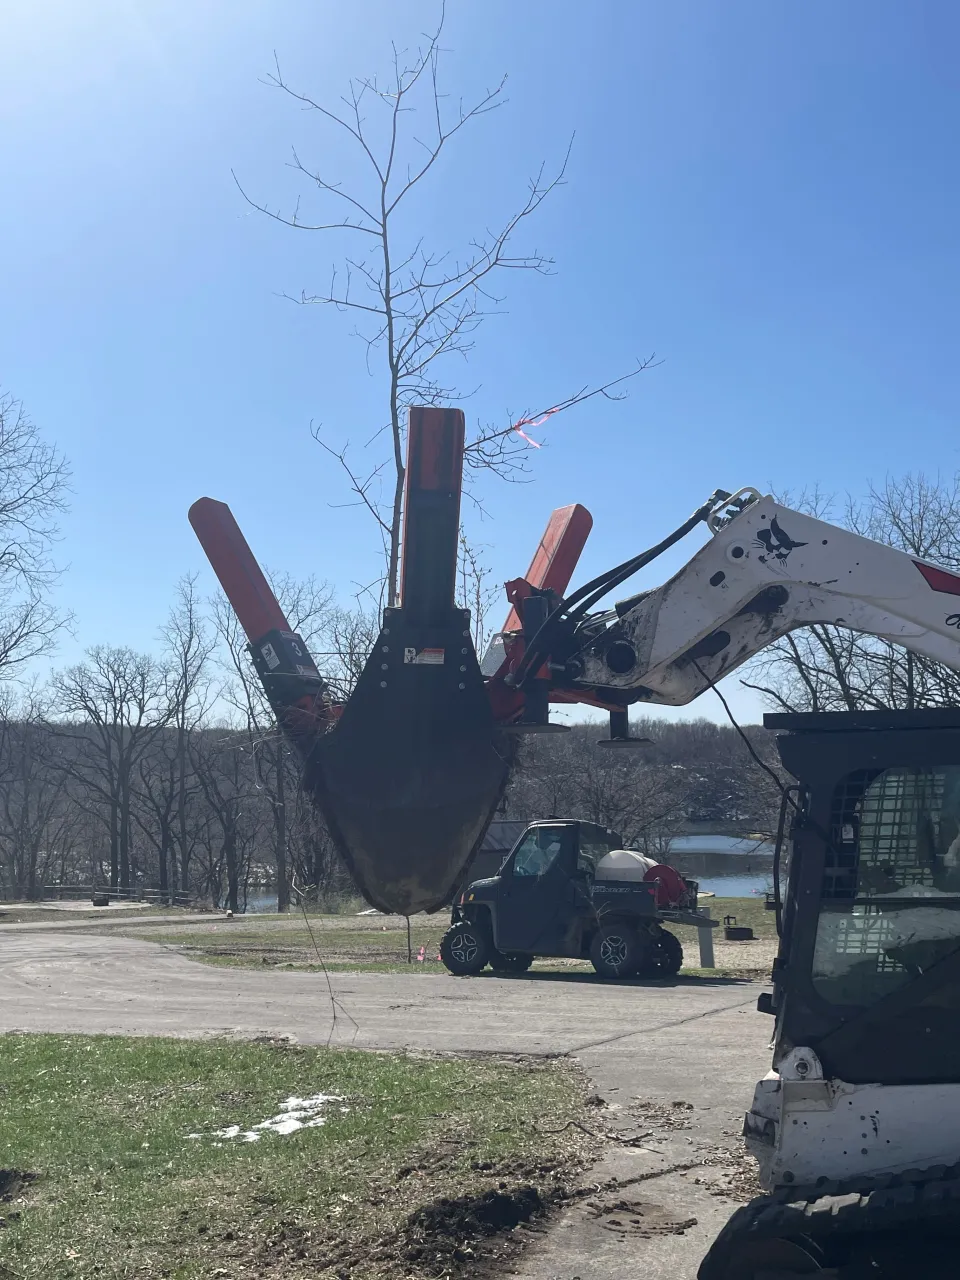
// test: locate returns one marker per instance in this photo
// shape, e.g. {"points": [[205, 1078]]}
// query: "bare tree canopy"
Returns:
{"points": [[693, 771], [115, 704], [826, 668], [307, 606], [416, 307], [33, 487]]}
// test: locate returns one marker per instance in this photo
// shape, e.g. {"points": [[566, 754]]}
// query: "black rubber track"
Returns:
{"points": [[916, 1199]]}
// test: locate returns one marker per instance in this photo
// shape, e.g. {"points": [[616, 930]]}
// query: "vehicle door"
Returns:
{"points": [[536, 892]]}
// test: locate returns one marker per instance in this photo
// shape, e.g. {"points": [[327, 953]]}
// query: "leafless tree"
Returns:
{"points": [[188, 646], [476, 590], [306, 605], [33, 488], [826, 668], [31, 792], [696, 772], [155, 809], [635, 793], [112, 707], [222, 764], [347, 640], [319, 875], [416, 308]]}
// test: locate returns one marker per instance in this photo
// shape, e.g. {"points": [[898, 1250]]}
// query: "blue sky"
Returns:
{"points": [[765, 195]]}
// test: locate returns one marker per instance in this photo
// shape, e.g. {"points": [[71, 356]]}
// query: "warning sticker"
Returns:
{"points": [[424, 657], [270, 656]]}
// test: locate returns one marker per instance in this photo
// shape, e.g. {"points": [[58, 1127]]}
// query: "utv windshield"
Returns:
{"points": [[539, 850], [890, 899]]}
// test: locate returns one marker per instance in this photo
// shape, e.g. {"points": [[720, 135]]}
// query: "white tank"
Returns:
{"points": [[623, 864]]}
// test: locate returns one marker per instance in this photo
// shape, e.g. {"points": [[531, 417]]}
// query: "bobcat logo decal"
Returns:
{"points": [[775, 543]]}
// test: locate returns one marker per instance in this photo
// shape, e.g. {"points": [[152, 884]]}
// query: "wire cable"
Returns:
{"points": [[335, 1004], [755, 755]]}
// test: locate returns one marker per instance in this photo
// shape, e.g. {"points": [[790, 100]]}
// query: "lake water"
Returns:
{"points": [[262, 902]]}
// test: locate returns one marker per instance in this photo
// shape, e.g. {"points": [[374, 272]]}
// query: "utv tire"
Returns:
{"points": [[465, 949], [512, 962], [616, 951], [667, 958]]}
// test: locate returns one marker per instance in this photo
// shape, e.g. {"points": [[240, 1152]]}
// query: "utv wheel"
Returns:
{"points": [[510, 962], [667, 958], [615, 951], [465, 949]]}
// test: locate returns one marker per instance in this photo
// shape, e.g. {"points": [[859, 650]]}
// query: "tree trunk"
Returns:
{"points": [[233, 880], [32, 888], [163, 854], [182, 805], [125, 836], [318, 864], [114, 844], [280, 834]]}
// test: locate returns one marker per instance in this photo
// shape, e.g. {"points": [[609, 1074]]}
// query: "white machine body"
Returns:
{"points": [[802, 1128], [766, 571]]}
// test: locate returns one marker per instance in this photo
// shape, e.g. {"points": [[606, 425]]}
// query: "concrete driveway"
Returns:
{"points": [[646, 1047]]}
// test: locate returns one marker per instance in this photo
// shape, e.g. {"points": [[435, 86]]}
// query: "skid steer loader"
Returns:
{"points": [[857, 1128]]}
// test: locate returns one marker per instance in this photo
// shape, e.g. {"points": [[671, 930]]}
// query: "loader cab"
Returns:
{"points": [[535, 898], [868, 971]]}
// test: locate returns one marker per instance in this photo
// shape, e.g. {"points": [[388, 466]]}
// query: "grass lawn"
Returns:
{"points": [[748, 911], [28, 913], [379, 944], [110, 1184]]}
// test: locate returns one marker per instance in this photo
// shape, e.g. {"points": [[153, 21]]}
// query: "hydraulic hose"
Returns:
{"points": [[585, 597]]}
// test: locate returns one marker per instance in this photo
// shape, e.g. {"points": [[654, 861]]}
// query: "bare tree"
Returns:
{"points": [[319, 875], [31, 794], [347, 640], [306, 605], [33, 487], [155, 810], [223, 766], [693, 771], [635, 793], [113, 705], [475, 590], [416, 308], [827, 668], [188, 645]]}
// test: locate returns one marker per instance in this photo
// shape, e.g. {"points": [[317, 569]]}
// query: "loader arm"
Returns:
{"points": [[765, 571]]}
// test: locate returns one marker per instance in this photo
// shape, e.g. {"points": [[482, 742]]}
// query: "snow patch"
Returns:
{"points": [[295, 1113]]}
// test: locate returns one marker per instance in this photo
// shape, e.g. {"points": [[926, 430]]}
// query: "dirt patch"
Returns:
{"points": [[484, 1215], [13, 1183], [443, 1236], [640, 1218], [474, 1236], [279, 1042], [662, 1115], [470, 1236]]}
